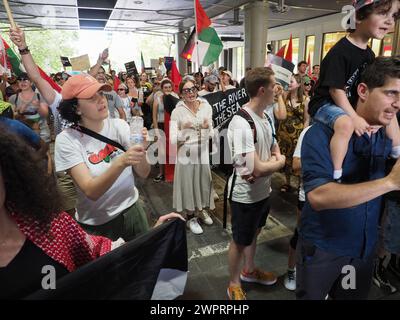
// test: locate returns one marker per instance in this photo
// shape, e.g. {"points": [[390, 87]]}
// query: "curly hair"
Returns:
{"points": [[29, 190], [67, 110]]}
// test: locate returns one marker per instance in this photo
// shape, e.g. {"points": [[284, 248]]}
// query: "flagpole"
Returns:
{"points": [[197, 38], [9, 14]]}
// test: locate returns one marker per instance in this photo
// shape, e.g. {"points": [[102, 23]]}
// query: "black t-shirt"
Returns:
{"points": [[340, 69], [23, 275]]}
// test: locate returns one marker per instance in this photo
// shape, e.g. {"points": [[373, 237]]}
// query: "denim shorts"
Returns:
{"points": [[391, 227], [328, 114]]}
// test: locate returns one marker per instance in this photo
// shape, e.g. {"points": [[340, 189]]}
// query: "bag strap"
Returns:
{"points": [[98, 136], [272, 128], [245, 115]]}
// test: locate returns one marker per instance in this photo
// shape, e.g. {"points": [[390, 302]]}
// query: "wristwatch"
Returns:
{"points": [[24, 51]]}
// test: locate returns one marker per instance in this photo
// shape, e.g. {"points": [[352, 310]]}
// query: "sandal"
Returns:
{"points": [[285, 188]]}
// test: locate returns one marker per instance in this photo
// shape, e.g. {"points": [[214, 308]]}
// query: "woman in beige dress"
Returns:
{"points": [[191, 128]]}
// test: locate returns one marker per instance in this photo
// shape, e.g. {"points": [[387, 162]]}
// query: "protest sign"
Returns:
{"points": [[282, 68], [131, 68], [81, 63]]}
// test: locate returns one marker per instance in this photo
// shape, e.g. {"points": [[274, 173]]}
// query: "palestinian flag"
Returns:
{"points": [[208, 45], [13, 62], [152, 266], [15, 65], [187, 52]]}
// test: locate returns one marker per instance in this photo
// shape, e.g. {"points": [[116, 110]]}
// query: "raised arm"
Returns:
{"points": [[17, 36], [95, 69]]}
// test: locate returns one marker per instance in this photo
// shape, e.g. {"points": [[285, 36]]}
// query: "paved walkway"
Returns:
{"points": [[208, 269]]}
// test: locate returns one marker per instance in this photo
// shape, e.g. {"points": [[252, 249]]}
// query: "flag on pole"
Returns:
{"points": [[208, 44], [289, 53], [176, 77], [281, 52], [309, 64], [143, 66], [187, 52], [15, 65]]}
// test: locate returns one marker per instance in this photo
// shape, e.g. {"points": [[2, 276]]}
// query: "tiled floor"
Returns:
{"points": [[208, 269]]}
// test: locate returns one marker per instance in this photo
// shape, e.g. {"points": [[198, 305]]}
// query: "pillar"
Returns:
{"points": [[180, 39], [255, 29]]}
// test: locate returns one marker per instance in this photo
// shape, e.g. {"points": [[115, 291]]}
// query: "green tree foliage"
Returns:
{"points": [[47, 46]]}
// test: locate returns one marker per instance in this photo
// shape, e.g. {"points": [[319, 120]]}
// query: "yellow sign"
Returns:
{"points": [[81, 63]]}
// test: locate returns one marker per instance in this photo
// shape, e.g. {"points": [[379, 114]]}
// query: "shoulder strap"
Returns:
{"points": [[98, 136], [272, 128], [16, 99], [38, 96], [244, 114]]}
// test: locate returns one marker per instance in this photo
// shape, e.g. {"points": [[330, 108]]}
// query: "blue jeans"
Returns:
{"points": [[328, 114]]}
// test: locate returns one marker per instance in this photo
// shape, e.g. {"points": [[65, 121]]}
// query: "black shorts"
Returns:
{"points": [[246, 218]]}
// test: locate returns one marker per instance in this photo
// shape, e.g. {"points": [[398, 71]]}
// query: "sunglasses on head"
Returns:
{"points": [[189, 90]]}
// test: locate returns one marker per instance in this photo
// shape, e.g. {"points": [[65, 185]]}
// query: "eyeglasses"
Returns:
{"points": [[189, 90], [121, 89], [307, 84], [23, 79]]}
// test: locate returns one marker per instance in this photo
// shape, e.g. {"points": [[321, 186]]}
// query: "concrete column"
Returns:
{"points": [[318, 48], [255, 29], [180, 40]]}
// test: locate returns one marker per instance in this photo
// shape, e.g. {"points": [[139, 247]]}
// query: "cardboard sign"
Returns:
{"points": [[81, 63], [131, 68], [282, 68]]}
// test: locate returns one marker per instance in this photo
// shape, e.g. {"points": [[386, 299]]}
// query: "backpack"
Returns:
{"points": [[245, 115]]}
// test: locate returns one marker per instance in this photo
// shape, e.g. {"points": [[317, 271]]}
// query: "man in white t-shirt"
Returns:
{"points": [[256, 157]]}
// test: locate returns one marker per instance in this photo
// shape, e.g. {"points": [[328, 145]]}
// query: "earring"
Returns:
{"points": [[79, 113]]}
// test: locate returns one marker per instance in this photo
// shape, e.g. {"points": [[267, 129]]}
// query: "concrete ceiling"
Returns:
{"points": [[157, 16]]}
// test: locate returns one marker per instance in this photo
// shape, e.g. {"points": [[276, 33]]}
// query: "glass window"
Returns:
{"points": [[239, 63], [330, 40], [387, 45], [375, 45], [310, 45], [295, 52]]}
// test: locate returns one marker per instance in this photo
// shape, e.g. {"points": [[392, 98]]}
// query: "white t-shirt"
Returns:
{"points": [[73, 148], [240, 139], [297, 154]]}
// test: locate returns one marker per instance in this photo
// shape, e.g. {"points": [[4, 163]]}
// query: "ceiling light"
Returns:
{"points": [[137, 2]]}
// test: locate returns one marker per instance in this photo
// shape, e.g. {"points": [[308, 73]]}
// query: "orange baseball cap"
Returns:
{"points": [[82, 86]]}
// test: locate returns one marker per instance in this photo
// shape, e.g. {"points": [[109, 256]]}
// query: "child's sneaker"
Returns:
{"points": [[290, 280], [259, 276], [236, 293]]}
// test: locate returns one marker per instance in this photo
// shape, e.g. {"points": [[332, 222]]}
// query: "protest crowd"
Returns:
{"points": [[71, 157]]}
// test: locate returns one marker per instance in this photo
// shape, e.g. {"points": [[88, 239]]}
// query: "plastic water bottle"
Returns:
{"points": [[136, 130]]}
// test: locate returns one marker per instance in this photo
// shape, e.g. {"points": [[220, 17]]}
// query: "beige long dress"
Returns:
{"points": [[192, 179]]}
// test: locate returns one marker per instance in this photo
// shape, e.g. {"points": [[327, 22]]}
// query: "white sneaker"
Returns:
{"points": [[290, 280], [205, 217], [194, 226]]}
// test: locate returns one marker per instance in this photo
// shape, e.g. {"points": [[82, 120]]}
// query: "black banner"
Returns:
{"points": [[133, 271], [226, 104]]}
